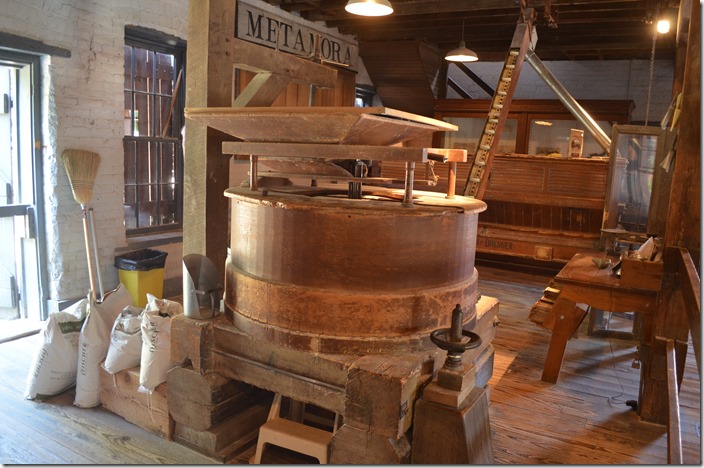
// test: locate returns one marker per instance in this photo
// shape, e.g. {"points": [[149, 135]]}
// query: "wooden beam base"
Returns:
{"points": [[444, 434], [375, 393], [118, 393]]}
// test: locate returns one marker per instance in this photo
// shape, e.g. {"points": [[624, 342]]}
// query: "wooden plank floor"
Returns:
{"points": [[583, 419]]}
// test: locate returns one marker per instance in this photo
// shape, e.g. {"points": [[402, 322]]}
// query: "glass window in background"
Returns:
{"points": [[470, 130], [153, 118]]}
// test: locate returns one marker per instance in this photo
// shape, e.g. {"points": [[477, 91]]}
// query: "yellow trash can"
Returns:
{"points": [[142, 272]]}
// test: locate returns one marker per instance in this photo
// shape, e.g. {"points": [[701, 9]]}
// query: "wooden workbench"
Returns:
{"points": [[582, 282]]}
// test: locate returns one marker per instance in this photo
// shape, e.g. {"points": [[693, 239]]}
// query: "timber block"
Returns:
{"points": [[381, 391], [118, 394], [450, 435], [351, 445], [484, 367], [231, 437], [202, 401], [192, 341]]}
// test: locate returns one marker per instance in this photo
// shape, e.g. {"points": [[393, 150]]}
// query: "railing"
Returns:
{"points": [[689, 285], [674, 426]]}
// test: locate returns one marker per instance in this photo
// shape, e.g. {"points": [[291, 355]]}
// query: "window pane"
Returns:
{"points": [[164, 73], [146, 163], [470, 130], [168, 163], [129, 126], [162, 109], [143, 70], [128, 68], [147, 205], [152, 162], [130, 207], [130, 162], [142, 120]]}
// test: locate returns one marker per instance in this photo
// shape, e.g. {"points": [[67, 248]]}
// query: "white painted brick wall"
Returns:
{"points": [[604, 79], [83, 102]]}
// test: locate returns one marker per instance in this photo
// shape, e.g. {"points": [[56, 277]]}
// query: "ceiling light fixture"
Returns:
{"points": [[369, 7], [462, 53], [663, 26]]}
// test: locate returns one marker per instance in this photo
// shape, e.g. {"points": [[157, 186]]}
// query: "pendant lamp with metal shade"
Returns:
{"points": [[462, 53], [369, 7]]}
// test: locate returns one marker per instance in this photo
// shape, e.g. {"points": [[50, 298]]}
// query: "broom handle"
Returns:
{"points": [[96, 254], [86, 235]]}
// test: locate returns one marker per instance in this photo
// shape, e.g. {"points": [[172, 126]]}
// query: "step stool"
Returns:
{"points": [[292, 435]]}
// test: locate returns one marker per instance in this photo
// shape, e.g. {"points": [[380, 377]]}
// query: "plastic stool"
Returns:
{"points": [[292, 435]]}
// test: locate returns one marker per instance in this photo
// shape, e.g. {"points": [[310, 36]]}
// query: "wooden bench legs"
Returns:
{"points": [[564, 319]]}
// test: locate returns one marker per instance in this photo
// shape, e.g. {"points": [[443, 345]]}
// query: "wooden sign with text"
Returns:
{"points": [[274, 28]]}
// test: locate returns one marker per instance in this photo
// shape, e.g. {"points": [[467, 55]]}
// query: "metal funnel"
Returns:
{"points": [[202, 288]]}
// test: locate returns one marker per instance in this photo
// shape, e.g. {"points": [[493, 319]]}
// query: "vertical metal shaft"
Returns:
{"points": [[408, 188], [253, 160], [451, 180], [456, 325]]}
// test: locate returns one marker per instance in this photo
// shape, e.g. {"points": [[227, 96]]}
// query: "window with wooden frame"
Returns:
{"points": [[154, 85]]}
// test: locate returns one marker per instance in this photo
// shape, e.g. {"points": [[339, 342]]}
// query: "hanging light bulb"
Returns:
{"points": [[369, 7], [663, 26], [462, 53]]}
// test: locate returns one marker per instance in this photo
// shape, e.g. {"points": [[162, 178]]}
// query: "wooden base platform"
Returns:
{"points": [[375, 394]]}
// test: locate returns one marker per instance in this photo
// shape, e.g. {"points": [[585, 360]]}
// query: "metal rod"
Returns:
{"points": [[253, 171], [96, 255], [408, 187], [570, 103]]}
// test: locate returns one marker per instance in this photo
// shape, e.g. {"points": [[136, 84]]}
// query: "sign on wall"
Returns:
{"points": [[274, 28]]}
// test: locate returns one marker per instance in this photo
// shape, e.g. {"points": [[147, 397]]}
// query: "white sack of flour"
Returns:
{"points": [[156, 342], [93, 344], [125, 348], [53, 369]]}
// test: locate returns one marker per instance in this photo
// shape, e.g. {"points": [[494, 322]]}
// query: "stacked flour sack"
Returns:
{"points": [[112, 333], [142, 337]]}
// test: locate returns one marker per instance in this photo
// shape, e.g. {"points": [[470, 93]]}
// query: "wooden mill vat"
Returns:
{"points": [[330, 300], [336, 275]]}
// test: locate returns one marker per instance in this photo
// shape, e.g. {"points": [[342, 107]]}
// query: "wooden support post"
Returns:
{"points": [[209, 72], [446, 435]]}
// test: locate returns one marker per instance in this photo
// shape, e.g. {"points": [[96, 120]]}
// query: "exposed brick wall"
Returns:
{"points": [[83, 109]]}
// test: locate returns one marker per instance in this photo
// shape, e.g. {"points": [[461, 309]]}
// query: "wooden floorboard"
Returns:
{"points": [[582, 419]]}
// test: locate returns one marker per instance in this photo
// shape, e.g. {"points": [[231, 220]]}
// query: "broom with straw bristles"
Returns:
{"points": [[82, 167]]}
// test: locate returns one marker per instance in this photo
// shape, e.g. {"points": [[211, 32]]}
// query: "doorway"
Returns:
{"points": [[21, 234]]}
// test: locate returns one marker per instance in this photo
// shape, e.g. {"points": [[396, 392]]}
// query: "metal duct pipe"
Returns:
{"points": [[570, 103]]}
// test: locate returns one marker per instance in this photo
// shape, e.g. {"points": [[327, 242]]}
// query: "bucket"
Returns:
{"points": [[142, 272]]}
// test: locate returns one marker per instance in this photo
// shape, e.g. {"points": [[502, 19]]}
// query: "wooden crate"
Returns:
{"points": [[641, 274], [118, 393]]}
